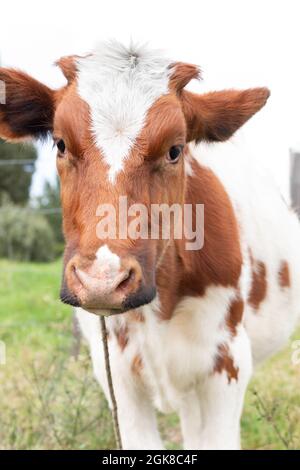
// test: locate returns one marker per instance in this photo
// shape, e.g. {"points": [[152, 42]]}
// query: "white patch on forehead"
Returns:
{"points": [[120, 85], [106, 257]]}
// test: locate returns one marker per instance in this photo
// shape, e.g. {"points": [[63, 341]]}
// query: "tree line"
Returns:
{"points": [[30, 229]]}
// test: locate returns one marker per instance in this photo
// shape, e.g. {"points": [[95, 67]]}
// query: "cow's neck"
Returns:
{"points": [[188, 273]]}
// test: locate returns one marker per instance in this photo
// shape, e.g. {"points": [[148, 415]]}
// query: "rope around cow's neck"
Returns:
{"points": [[114, 409]]}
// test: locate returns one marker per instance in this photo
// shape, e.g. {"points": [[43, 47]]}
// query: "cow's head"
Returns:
{"points": [[121, 125]]}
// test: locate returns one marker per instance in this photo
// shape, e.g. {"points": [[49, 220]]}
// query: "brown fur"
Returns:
{"points": [[259, 285], [68, 66], [235, 315], [218, 262], [29, 107], [122, 335], [215, 116], [182, 74], [224, 362], [284, 275]]}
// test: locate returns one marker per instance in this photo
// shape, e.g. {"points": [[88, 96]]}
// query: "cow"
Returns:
{"points": [[185, 326]]}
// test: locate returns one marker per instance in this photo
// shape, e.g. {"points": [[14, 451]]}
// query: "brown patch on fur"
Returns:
{"points": [[122, 335], [259, 283], [235, 315], [284, 275], [224, 362], [137, 365], [219, 261]]}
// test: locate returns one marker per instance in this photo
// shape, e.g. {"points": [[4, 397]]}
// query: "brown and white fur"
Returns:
{"points": [[185, 327]]}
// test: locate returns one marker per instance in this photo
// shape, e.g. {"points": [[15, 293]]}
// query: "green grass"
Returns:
{"points": [[51, 401]]}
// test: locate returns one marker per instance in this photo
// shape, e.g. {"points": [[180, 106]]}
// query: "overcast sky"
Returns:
{"points": [[237, 44]]}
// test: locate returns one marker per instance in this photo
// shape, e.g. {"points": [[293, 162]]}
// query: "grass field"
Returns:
{"points": [[51, 401]]}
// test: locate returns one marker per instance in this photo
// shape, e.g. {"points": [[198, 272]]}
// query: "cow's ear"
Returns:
{"points": [[26, 106], [217, 115]]}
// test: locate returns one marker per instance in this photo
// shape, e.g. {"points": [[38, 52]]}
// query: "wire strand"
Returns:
{"points": [[114, 410]]}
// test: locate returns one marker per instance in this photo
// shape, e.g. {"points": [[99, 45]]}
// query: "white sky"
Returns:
{"points": [[237, 43]]}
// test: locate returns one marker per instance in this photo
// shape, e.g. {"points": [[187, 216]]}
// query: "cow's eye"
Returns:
{"points": [[61, 146], [174, 153]]}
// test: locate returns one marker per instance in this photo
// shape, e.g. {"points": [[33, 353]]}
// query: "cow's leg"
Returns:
{"points": [[222, 396], [136, 414], [137, 417], [190, 420]]}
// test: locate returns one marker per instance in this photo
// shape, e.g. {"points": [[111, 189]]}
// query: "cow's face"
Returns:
{"points": [[133, 167], [120, 125]]}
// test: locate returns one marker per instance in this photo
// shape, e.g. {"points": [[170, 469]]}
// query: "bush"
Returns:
{"points": [[25, 235], [15, 180], [49, 202]]}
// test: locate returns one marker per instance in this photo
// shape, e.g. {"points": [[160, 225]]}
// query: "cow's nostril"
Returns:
{"points": [[76, 277], [131, 274], [127, 280]]}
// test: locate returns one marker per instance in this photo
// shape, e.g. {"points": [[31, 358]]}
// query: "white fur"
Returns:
{"points": [[178, 357], [272, 231], [187, 165], [222, 401], [120, 85], [171, 367], [136, 414], [106, 257]]}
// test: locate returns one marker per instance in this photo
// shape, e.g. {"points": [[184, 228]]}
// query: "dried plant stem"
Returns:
{"points": [[114, 410]]}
